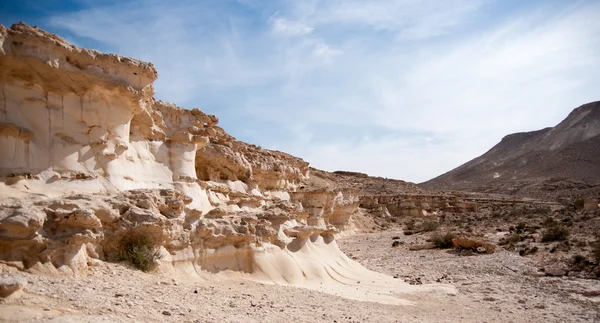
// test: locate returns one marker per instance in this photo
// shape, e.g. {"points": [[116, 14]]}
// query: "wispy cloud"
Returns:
{"points": [[399, 88], [289, 28], [325, 52]]}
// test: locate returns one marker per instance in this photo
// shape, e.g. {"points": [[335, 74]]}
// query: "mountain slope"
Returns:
{"points": [[556, 161]]}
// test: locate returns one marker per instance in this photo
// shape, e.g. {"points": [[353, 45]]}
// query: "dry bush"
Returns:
{"points": [[555, 233], [578, 258], [511, 239], [429, 226], [596, 250], [141, 249], [443, 240], [549, 222], [410, 225]]}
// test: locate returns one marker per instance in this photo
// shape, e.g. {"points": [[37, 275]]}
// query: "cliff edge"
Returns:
{"points": [[88, 157]]}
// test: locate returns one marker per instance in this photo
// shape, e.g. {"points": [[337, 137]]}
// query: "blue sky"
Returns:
{"points": [[404, 89]]}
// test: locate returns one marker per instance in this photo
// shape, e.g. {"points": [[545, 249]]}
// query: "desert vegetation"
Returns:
{"points": [[141, 249]]}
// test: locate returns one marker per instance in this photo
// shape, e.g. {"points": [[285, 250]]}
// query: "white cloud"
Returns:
{"points": [[410, 18], [288, 28], [401, 88], [323, 51]]}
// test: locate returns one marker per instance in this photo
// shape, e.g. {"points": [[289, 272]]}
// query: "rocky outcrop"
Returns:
{"points": [[416, 205], [89, 156]]}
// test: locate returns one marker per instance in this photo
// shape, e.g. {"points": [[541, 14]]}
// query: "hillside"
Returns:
{"points": [[560, 161]]}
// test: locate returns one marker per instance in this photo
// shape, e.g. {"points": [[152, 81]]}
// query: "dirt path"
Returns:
{"points": [[492, 288]]}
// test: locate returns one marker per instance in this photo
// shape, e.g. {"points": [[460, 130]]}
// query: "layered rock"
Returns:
{"points": [[88, 156], [400, 205]]}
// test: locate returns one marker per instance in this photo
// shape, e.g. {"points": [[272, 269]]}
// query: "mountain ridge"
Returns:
{"points": [[532, 163]]}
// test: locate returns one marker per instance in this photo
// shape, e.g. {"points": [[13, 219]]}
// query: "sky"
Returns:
{"points": [[405, 89]]}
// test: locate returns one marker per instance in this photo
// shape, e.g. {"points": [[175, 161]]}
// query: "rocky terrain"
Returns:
{"points": [[95, 169], [556, 162], [498, 287], [98, 180]]}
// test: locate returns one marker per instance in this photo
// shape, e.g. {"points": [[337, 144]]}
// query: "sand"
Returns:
{"points": [[500, 287]]}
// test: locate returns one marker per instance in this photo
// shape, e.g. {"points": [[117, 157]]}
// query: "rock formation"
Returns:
{"points": [[89, 156]]}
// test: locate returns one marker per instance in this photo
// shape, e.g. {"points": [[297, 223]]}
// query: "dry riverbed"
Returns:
{"points": [[501, 287]]}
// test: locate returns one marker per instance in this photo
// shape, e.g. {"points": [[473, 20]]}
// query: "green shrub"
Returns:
{"points": [[555, 233], [443, 240], [141, 249]]}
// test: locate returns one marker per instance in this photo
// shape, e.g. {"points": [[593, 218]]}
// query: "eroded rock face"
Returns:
{"points": [[88, 156]]}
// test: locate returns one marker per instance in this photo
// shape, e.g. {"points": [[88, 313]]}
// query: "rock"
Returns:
{"points": [[10, 286], [464, 243], [554, 271], [166, 313], [115, 162]]}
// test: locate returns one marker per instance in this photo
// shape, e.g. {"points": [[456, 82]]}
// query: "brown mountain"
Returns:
{"points": [[560, 161]]}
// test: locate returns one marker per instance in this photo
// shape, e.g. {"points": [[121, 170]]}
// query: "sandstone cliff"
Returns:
{"points": [[87, 156]]}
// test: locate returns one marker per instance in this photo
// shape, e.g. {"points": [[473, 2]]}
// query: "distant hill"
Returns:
{"points": [[560, 161]]}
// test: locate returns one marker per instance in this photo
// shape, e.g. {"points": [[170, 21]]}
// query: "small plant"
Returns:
{"points": [[511, 239], [596, 250], [578, 258], [549, 222], [410, 225], [141, 249], [579, 204], [542, 210], [443, 240], [429, 226], [555, 233]]}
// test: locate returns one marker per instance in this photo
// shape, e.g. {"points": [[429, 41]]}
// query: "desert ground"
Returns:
{"points": [[499, 287]]}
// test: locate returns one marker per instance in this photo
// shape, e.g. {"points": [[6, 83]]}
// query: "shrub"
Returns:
{"points": [[141, 249], [429, 226], [579, 204], [510, 239], [549, 222], [596, 250], [443, 241], [410, 225], [555, 233]]}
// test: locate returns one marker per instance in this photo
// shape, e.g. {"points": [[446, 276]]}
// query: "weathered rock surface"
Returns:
{"points": [[77, 122], [9, 286], [88, 156]]}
